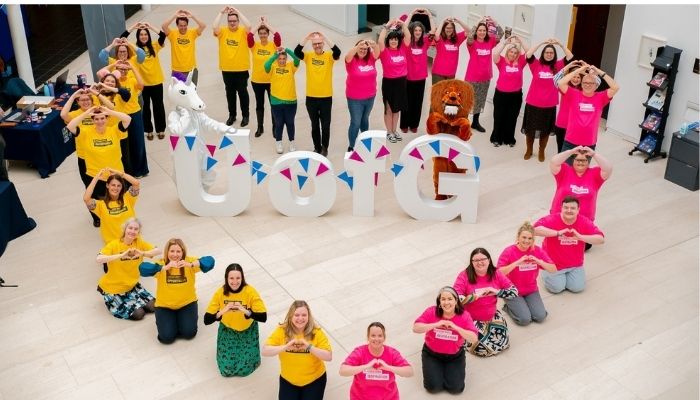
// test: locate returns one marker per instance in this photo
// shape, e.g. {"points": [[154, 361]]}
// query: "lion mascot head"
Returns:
{"points": [[451, 101]]}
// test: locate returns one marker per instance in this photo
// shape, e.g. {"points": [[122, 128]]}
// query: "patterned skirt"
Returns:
{"points": [[480, 91], [238, 353], [538, 121], [493, 336], [124, 304]]}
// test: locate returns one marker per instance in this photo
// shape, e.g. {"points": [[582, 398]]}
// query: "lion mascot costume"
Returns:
{"points": [[451, 101]]}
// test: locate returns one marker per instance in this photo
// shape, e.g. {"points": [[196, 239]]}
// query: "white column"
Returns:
{"points": [[19, 42], [146, 7]]}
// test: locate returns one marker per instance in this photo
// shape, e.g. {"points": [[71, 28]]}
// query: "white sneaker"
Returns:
{"points": [[398, 137], [292, 147], [278, 147], [391, 137]]}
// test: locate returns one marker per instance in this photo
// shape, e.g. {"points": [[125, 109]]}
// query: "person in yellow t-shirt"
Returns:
{"points": [[123, 51], [319, 87], [283, 98], [234, 60], [238, 307], [302, 348], [130, 79], [176, 297], [121, 291], [152, 76], [183, 52], [117, 205], [260, 80]]}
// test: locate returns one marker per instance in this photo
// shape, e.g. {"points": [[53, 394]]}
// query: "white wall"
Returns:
{"points": [[341, 17], [679, 26]]}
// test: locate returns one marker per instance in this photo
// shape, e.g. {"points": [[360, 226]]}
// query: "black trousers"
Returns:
{"points": [[319, 109], [259, 90], [126, 157], [153, 94], [3, 170], [506, 107], [100, 188], [312, 391], [560, 133], [237, 83], [415, 91], [443, 371]]}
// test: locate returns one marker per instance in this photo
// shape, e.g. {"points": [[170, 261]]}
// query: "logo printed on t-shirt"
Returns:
{"points": [[365, 68], [263, 52], [232, 42], [375, 375], [445, 334], [568, 241], [527, 266], [175, 275], [397, 59], [416, 52], [281, 71], [483, 52], [512, 69], [101, 142], [578, 189], [183, 41], [118, 210], [546, 75], [586, 107], [451, 47], [317, 61]]}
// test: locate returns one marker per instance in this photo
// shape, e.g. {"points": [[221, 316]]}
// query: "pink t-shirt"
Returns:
{"points": [[542, 92], [563, 115], [445, 341], [584, 188], [480, 67], [418, 61], [361, 80], [447, 55], [395, 62], [374, 383], [584, 116], [484, 308], [510, 76], [524, 276], [566, 251]]}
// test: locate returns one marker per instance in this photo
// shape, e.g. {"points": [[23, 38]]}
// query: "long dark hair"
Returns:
{"points": [[443, 35], [471, 272], [459, 308], [120, 197], [550, 64], [233, 267], [411, 27], [486, 38], [148, 45]]}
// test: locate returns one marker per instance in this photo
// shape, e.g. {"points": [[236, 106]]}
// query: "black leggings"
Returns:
{"points": [[153, 94], [312, 391], [259, 89], [415, 91], [100, 188], [237, 83], [506, 107]]}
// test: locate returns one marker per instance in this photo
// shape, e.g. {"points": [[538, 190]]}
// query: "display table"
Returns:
{"points": [[45, 145], [13, 220]]}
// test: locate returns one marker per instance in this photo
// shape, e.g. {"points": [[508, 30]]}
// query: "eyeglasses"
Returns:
{"points": [[478, 260], [318, 44]]}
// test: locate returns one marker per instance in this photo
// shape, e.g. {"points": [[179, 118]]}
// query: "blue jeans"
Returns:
{"points": [[572, 279], [283, 115], [359, 117]]}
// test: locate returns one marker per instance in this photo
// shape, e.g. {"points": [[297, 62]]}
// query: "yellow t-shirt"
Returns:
{"points": [[319, 74], [101, 150], [260, 55], [234, 54], [248, 297], [132, 60], [123, 274], [175, 287], [131, 106], [183, 52], [86, 122], [300, 367], [112, 217], [282, 84], [150, 69]]}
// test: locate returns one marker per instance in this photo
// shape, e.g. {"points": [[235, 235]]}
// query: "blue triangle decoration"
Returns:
{"points": [[256, 165], [260, 176], [346, 178], [436, 146], [301, 179], [477, 162], [210, 162], [304, 164], [253, 170], [396, 169], [225, 142], [368, 143], [190, 141]]}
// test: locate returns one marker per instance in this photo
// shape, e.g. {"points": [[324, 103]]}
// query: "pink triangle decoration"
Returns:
{"points": [[286, 172], [452, 154], [376, 178], [382, 152], [238, 160], [415, 153], [173, 141], [211, 148], [356, 157], [321, 169]]}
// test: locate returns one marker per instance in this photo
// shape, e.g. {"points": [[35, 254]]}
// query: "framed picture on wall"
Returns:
{"points": [[647, 50], [523, 19]]}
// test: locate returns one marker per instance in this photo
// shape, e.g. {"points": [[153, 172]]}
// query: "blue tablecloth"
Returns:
{"points": [[13, 220]]}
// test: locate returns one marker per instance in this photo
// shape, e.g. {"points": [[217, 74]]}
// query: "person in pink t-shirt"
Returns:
{"points": [[447, 43], [417, 71], [509, 90], [374, 367], [360, 86], [394, 47], [542, 97], [586, 105], [521, 263], [564, 237], [563, 112], [478, 286], [447, 327], [480, 68]]}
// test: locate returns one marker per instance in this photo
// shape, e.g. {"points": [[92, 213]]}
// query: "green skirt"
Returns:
{"points": [[238, 353]]}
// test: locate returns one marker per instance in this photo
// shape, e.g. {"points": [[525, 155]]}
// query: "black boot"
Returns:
{"points": [[260, 131], [260, 114], [476, 125]]}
